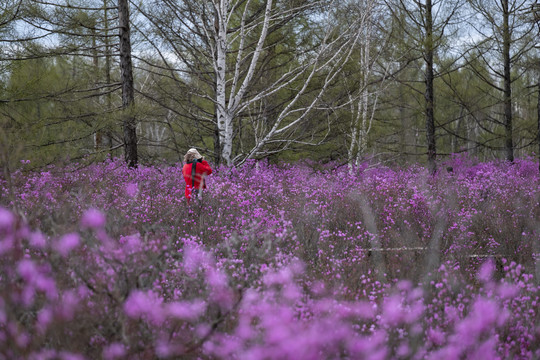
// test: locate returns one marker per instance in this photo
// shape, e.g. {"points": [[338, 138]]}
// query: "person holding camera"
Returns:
{"points": [[195, 170]]}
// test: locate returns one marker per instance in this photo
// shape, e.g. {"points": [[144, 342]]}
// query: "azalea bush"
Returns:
{"points": [[302, 261]]}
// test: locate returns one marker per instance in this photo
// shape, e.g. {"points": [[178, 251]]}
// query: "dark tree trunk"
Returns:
{"points": [[128, 93], [217, 147], [538, 114], [429, 97], [536, 12], [508, 142]]}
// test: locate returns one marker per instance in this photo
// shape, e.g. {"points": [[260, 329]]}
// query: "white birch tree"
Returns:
{"points": [[364, 99], [220, 54]]}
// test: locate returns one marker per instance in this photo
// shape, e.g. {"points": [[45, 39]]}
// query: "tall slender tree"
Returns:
{"points": [[427, 23], [129, 121], [504, 40], [428, 52], [366, 79], [535, 12]]}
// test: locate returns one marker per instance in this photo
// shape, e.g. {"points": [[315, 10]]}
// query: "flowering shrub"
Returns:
{"points": [[277, 262]]}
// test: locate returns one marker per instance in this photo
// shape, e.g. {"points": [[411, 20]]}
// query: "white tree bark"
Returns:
{"points": [[366, 119], [227, 110], [231, 37], [224, 118], [364, 105], [330, 58]]}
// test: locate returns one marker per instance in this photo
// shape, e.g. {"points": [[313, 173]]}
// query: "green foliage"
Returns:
{"points": [[51, 105], [47, 113]]}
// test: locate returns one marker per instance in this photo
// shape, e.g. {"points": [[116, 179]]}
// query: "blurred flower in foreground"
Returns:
{"points": [[6, 218], [67, 243], [93, 219]]}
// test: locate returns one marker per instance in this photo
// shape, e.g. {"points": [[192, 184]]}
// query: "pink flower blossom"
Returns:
{"points": [[6, 219], [132, 189], [93, 219], [44, 319], [66, 355], [67, 243], [184, 310], [114, 351], [486, 271], [38, 240], [144, 304], [28, 270]]}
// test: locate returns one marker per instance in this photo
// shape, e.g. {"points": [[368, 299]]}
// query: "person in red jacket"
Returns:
{"points": [[195, 170]]}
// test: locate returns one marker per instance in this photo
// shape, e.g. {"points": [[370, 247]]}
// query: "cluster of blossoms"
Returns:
{"points": [[277, 262]]}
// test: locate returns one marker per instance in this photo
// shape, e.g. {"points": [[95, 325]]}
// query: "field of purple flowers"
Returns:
{"points": [[278, 262]]}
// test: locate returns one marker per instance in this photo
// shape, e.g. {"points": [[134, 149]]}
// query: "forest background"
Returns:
{"points": [[400, 81]]}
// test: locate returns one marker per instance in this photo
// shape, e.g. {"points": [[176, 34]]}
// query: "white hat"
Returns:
{"points": [[195, 153]]}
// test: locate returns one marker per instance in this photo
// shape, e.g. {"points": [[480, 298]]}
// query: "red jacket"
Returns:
{"points": [[202, 169]]}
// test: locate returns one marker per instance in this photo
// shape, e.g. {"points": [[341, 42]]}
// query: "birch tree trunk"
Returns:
{"points": [[366, 100], [363, 121], [354, 140], [224, 119], [366, 119], [108, 101], [227, 109]]}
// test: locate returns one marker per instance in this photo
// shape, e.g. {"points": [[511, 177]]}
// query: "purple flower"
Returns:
{"points": [[114, 351], [393, 313], [44, 354], [68, 305], [185, 310], [195, 259], [486, 271], [132, 243], [65, 355], [132, 189], [507, 291], [44, 319], [165, 348], [144, 304], [37, 240], [28, 270], [436, 336], [93, 219], [47, 285], [67, 243], [6, 244], [6, 219]]}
